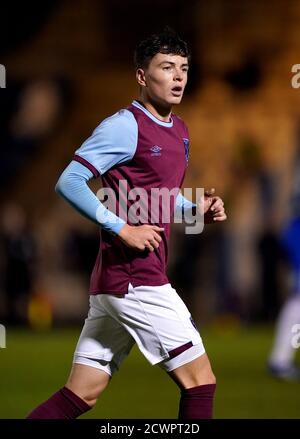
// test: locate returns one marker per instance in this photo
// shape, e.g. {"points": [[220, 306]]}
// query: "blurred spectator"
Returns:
{"points": [[269, 257], [31, 119], [186, 266], [18, 258], [238, 279], [268, 247], [281, 359], [81, 249]]}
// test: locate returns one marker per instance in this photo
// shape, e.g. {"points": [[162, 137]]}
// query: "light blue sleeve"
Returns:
{"points": [[183, 204], [113, 142], [72, 186]]}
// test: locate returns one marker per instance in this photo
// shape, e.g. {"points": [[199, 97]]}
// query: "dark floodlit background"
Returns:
{"points": [[68, 66]]}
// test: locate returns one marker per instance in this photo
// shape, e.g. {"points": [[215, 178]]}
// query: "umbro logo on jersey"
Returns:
{"points": [[155, 150]]}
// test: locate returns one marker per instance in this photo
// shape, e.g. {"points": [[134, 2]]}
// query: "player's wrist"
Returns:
{"points": [[123, 232]]}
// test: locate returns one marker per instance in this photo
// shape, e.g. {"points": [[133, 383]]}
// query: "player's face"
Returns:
{"points": [[164, 80]]}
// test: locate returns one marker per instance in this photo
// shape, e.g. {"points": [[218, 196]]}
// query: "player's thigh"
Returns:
{"points": [[103, 343], [194, 373]]}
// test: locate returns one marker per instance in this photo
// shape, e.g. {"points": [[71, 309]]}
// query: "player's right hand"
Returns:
{"points": [[141, 237]]}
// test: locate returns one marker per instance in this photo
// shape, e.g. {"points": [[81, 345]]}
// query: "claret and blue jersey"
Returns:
{"points": [[136, 147]]}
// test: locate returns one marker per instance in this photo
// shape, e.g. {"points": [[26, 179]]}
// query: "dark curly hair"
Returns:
{"points": [[167, 41]]}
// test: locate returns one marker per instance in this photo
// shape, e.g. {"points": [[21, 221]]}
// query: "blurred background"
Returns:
{"points": [[68, 66]]}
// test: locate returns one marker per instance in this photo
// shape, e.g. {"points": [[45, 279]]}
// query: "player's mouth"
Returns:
{"points": [[177, 91]]}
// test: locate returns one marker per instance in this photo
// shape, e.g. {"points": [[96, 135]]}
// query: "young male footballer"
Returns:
{"points": [[144, 146]]}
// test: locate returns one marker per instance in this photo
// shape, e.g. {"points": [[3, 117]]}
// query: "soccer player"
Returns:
{"points": [[281, 360], [131, 299]]}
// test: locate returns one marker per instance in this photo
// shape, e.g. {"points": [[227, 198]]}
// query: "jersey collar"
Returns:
{"points": [[151, 116]]}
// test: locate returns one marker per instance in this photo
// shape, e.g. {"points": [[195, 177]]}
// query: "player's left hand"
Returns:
{"points": [[212, 207]]}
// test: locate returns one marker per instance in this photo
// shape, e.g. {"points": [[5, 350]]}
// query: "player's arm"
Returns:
{"points": [[212, 207], [183, 205], [184, 210], [113, 142], [72, 186]]}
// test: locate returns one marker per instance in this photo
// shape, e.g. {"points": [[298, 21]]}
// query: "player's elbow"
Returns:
{"points": [[59, 187], [64, 186]]}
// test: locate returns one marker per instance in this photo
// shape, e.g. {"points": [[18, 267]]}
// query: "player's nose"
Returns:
{"points": [[178, 75]]}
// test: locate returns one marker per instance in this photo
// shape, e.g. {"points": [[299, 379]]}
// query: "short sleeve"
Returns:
{"points": [[113, 142]]}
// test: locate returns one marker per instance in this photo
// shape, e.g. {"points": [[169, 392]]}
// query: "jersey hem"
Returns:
{"points": [[121, 293]]}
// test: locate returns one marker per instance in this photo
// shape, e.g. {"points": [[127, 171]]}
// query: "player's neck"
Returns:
{"points": [[158, 111]]}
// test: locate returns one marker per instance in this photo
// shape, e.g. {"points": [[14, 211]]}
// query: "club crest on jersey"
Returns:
{"points": [[155, 150], [186, 143]]}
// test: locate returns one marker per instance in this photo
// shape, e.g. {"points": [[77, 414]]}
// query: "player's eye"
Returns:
{"points": [[167, 68]]}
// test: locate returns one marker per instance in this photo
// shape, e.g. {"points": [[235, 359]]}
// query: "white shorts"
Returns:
{"points": [[155, 318]]}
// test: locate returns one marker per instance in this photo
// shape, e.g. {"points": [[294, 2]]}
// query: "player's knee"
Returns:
{"points": [[205, 375], [211, 379], [201, 378]]}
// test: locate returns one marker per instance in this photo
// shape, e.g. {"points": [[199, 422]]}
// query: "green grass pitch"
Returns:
{"points": [[35, 365]]}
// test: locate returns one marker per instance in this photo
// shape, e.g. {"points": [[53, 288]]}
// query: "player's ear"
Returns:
{"points": [[140, 77]]}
